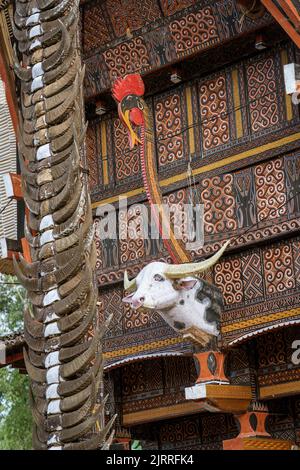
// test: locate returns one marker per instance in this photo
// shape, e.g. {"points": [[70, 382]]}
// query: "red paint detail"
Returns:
{"points": [[129, 85], [136, 116]]}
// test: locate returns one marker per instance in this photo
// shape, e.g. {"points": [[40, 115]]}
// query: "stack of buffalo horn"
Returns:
{"points": [[63, 356]]}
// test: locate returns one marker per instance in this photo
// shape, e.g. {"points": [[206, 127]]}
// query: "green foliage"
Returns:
{"points": [[15, 415]]}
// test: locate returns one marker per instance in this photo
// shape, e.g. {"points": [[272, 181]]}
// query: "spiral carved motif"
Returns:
{"points": [[128, 57], [63, 362], [168, 127], [270, 190], [261, 80], [228, 277], [219, 204], [279, 273], [194, 30], [213, 107]]}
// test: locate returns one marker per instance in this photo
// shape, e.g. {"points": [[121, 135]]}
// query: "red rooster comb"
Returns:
{"points": [[129, 85]]}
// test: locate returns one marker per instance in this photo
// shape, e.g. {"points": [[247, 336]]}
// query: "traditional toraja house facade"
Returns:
{"points": [[222, 130]]}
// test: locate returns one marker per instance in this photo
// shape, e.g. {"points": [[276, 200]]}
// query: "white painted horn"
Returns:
{"points": [[129, 285], [176, 271]]}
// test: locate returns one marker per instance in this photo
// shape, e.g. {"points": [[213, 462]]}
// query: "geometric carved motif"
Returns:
{"points": [[244, 190], [170, 7], [132, 234], [95, 32], [292, 172], [219, 204], [194, 30], [261, 81], [132, 14], [91, 154], [142, 377], [168, 125], [296, 255], [127, 57], [138, 319], [271, 349], [213, 108], [228, 277], [176, 432], [252, 276], [278, 266], [127, 161], [111, 301], [270, 190]]}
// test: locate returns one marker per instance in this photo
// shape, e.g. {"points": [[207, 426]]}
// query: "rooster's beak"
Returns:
{"points": [[133, 137]]}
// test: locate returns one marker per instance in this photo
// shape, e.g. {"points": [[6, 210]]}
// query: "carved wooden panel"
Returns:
{"points": [[270, 190], [128, 57], [194, 30], [252, 276], [132, 235], [95, 32], [278, 266], [131, 14], [168, 129], [170, 7], [244, 190], [92, 157], [127, 161], [214, 112], [228, 277], [219, 204], [261, 80]]}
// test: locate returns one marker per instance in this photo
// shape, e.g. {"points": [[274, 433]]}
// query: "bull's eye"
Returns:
{"points": [[159, 278]]}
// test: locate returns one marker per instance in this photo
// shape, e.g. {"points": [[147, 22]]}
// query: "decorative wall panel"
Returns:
{"points": [[168, 120], [128, 57], [96, 32], [214, 112], [268, 293], [127, 161], [170, 7], [92, 156], [219, 204], [270, 190], [194, 31], [261, 80], [131, 14]]}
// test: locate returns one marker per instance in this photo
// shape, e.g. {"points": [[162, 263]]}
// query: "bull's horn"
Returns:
{"points": [[129, 285], [176, 271]]}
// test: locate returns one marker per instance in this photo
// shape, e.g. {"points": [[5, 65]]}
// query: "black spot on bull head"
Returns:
{"points": [[214, 309]]}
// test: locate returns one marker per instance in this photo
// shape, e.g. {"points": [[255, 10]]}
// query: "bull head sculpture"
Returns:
{"points": [[182, 299]]}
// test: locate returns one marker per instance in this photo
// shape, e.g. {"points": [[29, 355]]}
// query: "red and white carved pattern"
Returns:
{"points": [[278, 267], [296, 253], [132, 233], [270, 190], [261, 81], [194, 30], [228, 277], [178, 216], [91, 152], [95, 33], [131, 14], [98, 244], [252, 276], [111, 301], [213, 109], [128, 57], [127, 161], [219, 204], [170, 7], [168, 123], [137, 319]]}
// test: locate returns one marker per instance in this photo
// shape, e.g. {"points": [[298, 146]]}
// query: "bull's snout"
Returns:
{"points": [[137, 302]]}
